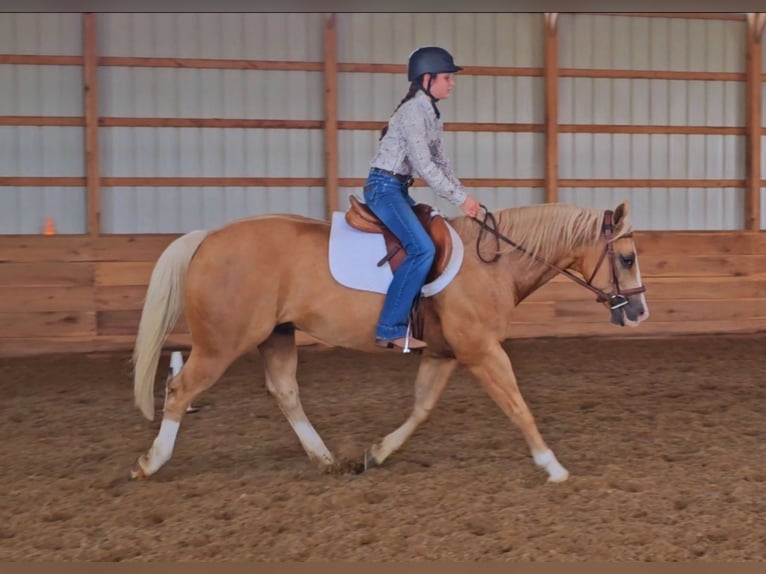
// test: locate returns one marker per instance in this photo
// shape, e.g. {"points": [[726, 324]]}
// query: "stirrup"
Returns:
{"points": [[406, 343]]}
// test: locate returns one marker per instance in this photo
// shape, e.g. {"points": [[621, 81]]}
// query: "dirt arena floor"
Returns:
{"points": [[665, 440]]}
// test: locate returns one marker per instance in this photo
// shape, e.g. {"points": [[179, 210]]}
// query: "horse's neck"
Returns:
{"points": [[528, 276]]}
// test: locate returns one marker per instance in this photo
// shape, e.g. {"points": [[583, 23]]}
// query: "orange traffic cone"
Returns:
{"points": [[49, 228]]}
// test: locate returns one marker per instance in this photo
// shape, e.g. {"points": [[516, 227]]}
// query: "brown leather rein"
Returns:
{"points": [[617, 298]]}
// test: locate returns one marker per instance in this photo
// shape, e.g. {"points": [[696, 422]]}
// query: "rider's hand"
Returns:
{"points": [[470, 206]]}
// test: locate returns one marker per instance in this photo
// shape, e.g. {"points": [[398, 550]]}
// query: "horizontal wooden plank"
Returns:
{"points": [[665, 288], [122, 273], [451, 126], [681, 15], [145, 247], [125, 248], [125, 322], [210, 64], [40, 60], [212, 181], [41, 121], [46, 274], [622, 183], [23, 346], [467, 182], [119, 297], [352, 182], [648, 328], [681, 310], [46, 299], [20, 347], [699, 242], [471, 127], [675, 265], [38, 248], [209, 123], [652, 74], [47, 323], [649, 129], [368, 68], [14, 181]]}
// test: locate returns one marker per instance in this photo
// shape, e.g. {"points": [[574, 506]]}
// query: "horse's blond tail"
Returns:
{"points": [[162, 307]]}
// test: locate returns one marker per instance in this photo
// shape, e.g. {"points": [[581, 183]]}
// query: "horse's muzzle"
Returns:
{"points": [[622, 307], [616, 305]]}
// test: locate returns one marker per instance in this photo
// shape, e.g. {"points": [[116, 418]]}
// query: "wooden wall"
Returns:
{"points": [[65, 294]]}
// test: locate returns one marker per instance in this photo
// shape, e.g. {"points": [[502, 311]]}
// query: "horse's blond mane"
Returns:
{"points": [[540, 229]]}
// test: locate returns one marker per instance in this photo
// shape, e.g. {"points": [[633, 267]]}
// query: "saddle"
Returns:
{"points": [[360, 217]]}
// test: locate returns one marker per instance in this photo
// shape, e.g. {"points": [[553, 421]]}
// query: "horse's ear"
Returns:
{"points": [[621, 214]]}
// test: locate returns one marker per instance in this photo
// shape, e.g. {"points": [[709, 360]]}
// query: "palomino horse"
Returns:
{"points": [[251, 283]]}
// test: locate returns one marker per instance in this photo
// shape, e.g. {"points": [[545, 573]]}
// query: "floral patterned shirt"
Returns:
{"points": [[413, 142]]}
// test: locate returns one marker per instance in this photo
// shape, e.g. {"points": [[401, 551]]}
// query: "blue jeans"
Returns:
{"points": [[389, 200]]}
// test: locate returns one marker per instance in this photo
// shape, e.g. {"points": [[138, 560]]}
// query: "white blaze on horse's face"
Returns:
{"points": [[620, 275], [629, 277]]}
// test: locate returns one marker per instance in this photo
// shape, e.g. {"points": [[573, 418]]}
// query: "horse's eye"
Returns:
{"points": [[628, 260]]}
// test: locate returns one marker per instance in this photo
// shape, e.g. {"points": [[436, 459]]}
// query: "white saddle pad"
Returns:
{"points": [[354, 256]]}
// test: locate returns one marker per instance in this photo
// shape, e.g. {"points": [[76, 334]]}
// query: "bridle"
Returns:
{"points": [[617, 297]]}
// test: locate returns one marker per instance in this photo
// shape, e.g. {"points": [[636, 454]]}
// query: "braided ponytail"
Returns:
{"points": [[414, 87]]}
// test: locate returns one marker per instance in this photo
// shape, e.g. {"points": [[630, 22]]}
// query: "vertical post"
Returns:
{"points": [[331, 115], [551, 74], [90, 81], [753, 124]]}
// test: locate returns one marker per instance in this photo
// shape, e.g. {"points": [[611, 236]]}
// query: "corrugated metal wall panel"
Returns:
{"points": [[651, 156], [210, 93], [635, 43], [171, 92], [210, 152], [474, 99], [763, 138], [651, 102], [50, 34], [668, 209], [41, 151], [251, 36], [763, 176], [506, 39], [24, 209], [28, 90], [607, 42], [179, 210], [47, 151], [50, 151]]}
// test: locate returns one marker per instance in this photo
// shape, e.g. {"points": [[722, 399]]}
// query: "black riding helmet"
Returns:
{"points": [[430, 60]]}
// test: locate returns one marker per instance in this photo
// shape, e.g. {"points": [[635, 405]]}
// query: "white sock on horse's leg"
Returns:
{"points": [[176, 364], [311, 441], [547, 460], [162, 447]]}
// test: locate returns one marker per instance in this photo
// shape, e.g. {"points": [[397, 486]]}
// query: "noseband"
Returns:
{"points": [[617, 298]]}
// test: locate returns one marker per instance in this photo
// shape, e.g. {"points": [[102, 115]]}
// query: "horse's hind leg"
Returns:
{"points": [[199, 373], [432, 377], [280, 357]]}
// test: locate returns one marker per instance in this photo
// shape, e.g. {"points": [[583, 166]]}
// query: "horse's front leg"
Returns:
{"points": [[432, 377], [494, 371]]}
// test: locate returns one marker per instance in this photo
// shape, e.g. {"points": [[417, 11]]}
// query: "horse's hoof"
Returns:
{"points": [[370, 461], [137, 471], [559, 477]]}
